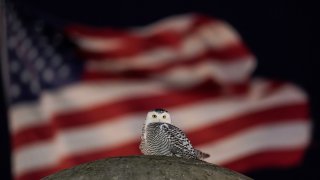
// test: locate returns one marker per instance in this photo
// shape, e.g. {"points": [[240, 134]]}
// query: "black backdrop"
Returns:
{"points": [[282, 34]]}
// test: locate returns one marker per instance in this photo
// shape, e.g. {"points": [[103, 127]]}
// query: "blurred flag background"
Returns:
{"points": [[78, 87]]}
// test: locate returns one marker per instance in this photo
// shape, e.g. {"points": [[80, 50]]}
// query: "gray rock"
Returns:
{"points": [[147, 168]]}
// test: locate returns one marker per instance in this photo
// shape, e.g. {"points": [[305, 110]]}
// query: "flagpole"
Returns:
{"points": [[5, 162], [4, 54]]}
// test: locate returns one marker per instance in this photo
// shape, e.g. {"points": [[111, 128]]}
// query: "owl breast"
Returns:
{"points": [[156, 141]]}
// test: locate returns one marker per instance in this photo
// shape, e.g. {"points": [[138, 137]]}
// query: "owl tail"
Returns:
{"points": [[202, 155]]}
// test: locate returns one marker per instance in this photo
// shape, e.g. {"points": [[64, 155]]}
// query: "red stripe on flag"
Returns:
{"points": [[270, 159], [122, 150], [107, 32], [229, 53], [129, 45]]}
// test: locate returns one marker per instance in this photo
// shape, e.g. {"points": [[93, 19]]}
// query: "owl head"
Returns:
{"points": [[158, 115]]}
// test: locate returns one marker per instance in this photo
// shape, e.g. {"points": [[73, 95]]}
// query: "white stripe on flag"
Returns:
{"points": [[276, 136], [97, 44], [219, 72]]}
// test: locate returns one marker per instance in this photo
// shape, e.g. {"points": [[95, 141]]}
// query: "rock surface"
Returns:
{"points": [[146, 168]]}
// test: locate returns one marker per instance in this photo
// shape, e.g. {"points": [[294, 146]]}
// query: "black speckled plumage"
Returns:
{"points": [[167, 139]]}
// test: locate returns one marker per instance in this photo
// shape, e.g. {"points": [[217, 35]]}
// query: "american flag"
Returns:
{"points": [[67, 110]]}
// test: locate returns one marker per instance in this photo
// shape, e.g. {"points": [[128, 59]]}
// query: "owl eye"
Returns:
{"points": [[164, 116], [154, 116]]}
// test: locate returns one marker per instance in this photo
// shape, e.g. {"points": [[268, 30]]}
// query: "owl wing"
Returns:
{"points": [[142, 142], [179, 143]]}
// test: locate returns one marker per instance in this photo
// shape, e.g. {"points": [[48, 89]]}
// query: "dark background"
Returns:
{"points": [[282, 34]]}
